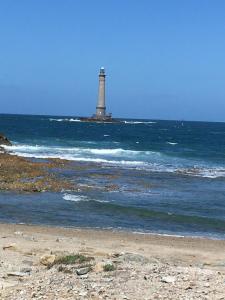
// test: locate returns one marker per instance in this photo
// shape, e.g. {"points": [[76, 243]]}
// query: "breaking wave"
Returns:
{"points": [[139, 122], [118, 157], [172, 143], [65, 120], [80, 198]]}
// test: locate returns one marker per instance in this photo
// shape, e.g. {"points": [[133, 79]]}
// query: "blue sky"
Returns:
{"points": [[164, 59]]}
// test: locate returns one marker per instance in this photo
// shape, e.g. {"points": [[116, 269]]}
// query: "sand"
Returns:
{"points": [[146, 266]]}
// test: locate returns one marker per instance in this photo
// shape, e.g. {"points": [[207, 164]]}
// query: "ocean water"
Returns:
{"points": [[169, 175]]}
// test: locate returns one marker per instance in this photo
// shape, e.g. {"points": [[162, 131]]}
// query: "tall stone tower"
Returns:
{"points": [[101, 109]]}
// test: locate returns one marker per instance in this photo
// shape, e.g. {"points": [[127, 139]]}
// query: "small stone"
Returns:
{"points": [[83, 271], [168, 279], [18, 274]]}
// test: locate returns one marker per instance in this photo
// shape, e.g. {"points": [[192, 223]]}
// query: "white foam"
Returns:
{"points": [[117, 151], [65, 120], [139, 122], [76, 151], [118, 157], [214, 172], [74, 198], [71, 156], [79, 198], [171, 143]]}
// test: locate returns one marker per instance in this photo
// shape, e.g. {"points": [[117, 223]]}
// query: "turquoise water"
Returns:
{"points": [[170, 175]]}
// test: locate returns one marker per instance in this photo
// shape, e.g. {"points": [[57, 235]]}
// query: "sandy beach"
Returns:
{"points": [[143, 266]]}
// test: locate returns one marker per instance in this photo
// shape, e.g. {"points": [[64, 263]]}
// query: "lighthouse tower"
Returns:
{"points": [[101, 109], [100, 115]]}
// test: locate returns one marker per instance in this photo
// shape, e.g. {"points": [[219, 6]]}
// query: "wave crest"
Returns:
{"points": [[118, 157], [80, 198], [139, 122], [64, 120]]}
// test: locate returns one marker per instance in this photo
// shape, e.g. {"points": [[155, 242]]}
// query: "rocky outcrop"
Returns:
{"points": [[4, 140]]}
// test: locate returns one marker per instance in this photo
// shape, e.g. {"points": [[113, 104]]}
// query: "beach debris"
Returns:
{"points": [[168, 279], [48, 259], [9, 247], [83, 271]]}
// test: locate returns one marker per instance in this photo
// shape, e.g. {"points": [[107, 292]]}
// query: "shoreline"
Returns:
{"points": [[116, 230], [24, 175], [146, 266], [53, 229]]}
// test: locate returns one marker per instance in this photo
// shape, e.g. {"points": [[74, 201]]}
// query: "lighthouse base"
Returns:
{"points": [[105, 119]]}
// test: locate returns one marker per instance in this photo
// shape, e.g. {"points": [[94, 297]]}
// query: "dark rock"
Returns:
{"points": [[4, 140]]}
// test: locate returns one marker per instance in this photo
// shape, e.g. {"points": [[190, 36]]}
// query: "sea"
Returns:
{"points": [[169, 176]]}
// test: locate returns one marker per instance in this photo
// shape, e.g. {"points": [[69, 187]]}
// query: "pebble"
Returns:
{"points": [[168, 279], [83, 271]]}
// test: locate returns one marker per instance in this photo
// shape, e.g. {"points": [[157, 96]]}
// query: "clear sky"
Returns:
{"points": [[164, 59]]}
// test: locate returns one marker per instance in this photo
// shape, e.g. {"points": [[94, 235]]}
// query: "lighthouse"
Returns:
{"points": [[100, 115], [100, 108]]}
